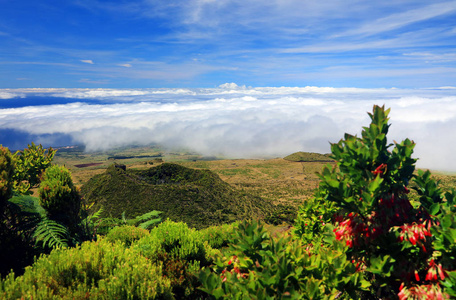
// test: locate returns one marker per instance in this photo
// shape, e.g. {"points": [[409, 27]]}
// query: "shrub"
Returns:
{"points": [[257, 266], [404, 250], [182, 252], [94, 270], [126, 234], [218, 236], [59, 197], [175, 239], [7, 168], [31, 163]]}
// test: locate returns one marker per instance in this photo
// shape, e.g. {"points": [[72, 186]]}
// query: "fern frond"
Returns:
{"points": [[51, 234], [97, 215], [148, 219], [124, 219], [90, 219], [147, 224], [147, 216]]}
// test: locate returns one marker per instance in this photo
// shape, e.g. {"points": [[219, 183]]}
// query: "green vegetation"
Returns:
{"points": [[375, 228], [308, 157], [197, 197], [94, 270]]}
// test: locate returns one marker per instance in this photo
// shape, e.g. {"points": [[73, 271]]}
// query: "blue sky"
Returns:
{"points": [[204, 43]]}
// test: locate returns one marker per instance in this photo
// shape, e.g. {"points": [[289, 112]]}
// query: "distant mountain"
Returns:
{"points": [[198, 197], [308, 157]]}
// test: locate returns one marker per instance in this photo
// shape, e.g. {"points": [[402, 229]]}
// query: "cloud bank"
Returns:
{"points": [[238, 121]]}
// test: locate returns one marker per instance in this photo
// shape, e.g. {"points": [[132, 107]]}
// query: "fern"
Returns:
{"points": [[90, 220], [147, 216], [148, 219], [51, 234], [147, 224]]}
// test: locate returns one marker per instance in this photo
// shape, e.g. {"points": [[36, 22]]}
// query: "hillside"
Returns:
{"points": [[308, 157], [198, 197]]}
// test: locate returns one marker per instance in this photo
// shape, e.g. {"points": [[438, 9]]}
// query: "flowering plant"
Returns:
{"points": [[400, 243]]}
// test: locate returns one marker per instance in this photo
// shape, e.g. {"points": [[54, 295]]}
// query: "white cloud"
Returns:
{"points": [[6, 94], [247, 122], [125, 65], [87, 61]]}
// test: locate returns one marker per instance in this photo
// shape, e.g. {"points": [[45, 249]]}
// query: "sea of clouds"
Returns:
{"points": [[230, 120]]}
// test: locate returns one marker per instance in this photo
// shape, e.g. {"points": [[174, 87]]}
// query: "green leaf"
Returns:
{"points": [[333, 183], [435, 208], [375, 184], [51, 234]]}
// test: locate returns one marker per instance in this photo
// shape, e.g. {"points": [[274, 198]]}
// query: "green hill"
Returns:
{"points": [[308, 157], [198, 197]]}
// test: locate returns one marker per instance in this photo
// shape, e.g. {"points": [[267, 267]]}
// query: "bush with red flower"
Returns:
{"points": [[406, 244]]}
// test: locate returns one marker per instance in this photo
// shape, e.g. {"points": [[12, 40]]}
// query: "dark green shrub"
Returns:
{"points": [[126, 234], [94, 270], [59, 197], [16, 246], [7, 168]]}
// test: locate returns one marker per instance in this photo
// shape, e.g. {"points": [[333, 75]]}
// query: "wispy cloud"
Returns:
{"points": [[205, 42], [87, 80], [402, 19]]}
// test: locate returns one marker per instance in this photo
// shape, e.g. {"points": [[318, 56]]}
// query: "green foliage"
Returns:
{"points": [[175, 239], [126, 234], [59, 197], [312, 217], [51, 234], [182, 252], [307, 157], [400, 247], [256, 266], [219, 236], [7, 169], [24, 222], [147, 220], [96, 224], [17, 247], [91, 222], [197, 197], [94, 270], [31, 163], [281, 214]]}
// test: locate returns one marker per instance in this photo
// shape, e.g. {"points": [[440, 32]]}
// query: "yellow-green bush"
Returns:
{"points": [[126, 234], [182, 252], [94, 270], [174, 239], [218, 236]]}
